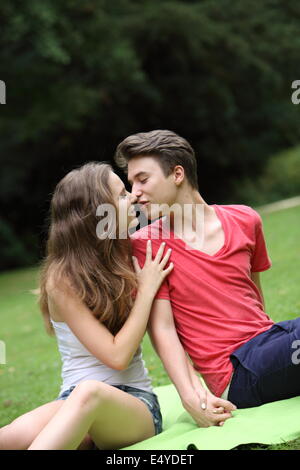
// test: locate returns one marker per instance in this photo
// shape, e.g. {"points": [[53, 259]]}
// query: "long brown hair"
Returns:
{"points": [[100, 270]]}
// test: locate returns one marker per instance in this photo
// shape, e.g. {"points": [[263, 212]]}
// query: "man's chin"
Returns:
{"points": [[146, 210], [134, 222], [150, 212], [151, 216]]}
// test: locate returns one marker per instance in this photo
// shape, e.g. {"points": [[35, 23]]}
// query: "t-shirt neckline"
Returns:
{"points": [[222, 220]]}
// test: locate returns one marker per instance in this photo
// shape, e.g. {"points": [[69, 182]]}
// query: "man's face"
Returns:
{"points": [[149, 184]]}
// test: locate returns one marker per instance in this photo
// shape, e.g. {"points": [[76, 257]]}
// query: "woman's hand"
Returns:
{"points": [[151, 276], [212, 408], [216, 412]]}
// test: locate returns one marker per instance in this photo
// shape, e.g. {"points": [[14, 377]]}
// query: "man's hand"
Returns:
{"points": [[218, 406], [216, 410], [202, 405], [163, 334]]}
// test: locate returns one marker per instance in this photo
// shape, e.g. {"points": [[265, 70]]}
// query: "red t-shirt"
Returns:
{"points": [[216, 305]]}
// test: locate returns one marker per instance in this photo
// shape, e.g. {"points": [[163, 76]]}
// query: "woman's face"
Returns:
{"points": [[124, 202]]}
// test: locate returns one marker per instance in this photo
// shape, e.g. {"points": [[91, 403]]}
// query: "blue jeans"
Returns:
{"points": [[267, 367], [150, 400]]}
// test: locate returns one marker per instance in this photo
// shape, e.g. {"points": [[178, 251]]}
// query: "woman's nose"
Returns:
{"points": [[133, 198]]}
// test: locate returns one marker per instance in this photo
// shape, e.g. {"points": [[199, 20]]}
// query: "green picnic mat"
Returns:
{"points": [[273, 423]]}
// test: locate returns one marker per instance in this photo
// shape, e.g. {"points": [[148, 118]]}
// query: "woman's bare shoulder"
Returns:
{"points": [[58, 284], [58, 291]]}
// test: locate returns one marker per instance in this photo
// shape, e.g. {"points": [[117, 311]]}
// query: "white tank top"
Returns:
{"points": [[79, 364]]}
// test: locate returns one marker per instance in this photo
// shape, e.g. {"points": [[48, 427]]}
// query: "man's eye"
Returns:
{"points": [[143, 181]]}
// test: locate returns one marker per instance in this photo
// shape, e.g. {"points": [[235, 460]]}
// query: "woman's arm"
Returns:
{"points": [[114, 351]]}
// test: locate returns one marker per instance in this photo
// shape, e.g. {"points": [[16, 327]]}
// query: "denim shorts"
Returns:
{"points": [[267, 367], [150, 400]]}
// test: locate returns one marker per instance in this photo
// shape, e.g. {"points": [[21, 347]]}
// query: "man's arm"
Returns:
{"points": [[165, 340], [256, 279]]}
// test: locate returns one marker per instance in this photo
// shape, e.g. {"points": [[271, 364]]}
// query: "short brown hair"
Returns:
{"points": [[170, 148]]}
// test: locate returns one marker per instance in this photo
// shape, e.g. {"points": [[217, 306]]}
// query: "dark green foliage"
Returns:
{"points": [[279, 180], [82, 75]]}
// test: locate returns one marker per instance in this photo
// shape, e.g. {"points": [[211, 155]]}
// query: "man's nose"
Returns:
{"points": [[136, 192]]}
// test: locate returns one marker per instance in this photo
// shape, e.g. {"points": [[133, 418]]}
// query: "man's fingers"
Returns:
{"points": [[227, 405], [220, 409]]}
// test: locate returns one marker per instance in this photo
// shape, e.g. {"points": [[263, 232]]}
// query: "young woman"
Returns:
{"points": [[96, 299]]}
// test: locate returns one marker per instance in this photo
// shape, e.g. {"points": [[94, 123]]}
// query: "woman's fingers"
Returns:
{"points": [[165, 258], [221, 418], [158, 257], [149, 251], [168, 270], [136, 265], [221, 413], [160, 252]]}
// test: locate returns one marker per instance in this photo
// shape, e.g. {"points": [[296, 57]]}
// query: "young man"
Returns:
{"points": [[211, 306]]}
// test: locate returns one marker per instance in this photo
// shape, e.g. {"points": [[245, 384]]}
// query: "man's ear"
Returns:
{"points": [[178, 173]]}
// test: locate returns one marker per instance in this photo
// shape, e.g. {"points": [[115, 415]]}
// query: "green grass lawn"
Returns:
{"points": [[31, 375]]}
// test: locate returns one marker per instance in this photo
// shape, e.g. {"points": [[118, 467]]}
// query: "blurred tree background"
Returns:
{"points": [[81, 75]]}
